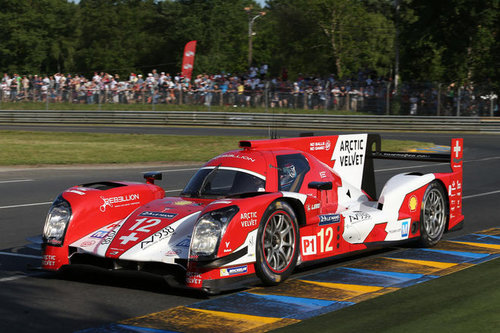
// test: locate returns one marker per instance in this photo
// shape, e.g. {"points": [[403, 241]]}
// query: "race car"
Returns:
{"points": [[253, 214]]}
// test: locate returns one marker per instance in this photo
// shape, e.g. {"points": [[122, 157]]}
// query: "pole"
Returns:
{"points": [[250, 32], [396, 48], [250, 24], [387, 102], [439, 100], [491, 103]]}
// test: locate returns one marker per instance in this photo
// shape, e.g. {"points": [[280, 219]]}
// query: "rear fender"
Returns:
{"points": [[397, 190]]}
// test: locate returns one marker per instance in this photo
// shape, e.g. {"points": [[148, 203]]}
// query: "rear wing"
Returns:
{"points": [[455, 158]]}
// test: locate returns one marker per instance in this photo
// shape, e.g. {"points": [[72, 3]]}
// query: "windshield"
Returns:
{"points": [[222, 182]]}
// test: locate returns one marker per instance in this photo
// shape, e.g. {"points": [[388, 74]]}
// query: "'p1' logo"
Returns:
{"points": [[308, 245]]}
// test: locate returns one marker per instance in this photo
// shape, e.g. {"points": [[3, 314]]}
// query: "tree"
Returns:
{"points": [[450, 41], [36, 36], [339, 36]]}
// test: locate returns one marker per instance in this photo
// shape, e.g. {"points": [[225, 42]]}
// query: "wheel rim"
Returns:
{"points": [[279, 242], [434, 213]]}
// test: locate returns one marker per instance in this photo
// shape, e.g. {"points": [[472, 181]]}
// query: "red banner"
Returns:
{"points": [[188, 59]]}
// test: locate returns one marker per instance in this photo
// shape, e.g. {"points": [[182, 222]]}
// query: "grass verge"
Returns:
{"points": [[466, 301], [167, 107], [39, 148]]}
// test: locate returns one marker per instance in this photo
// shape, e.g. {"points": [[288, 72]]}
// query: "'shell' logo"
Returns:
{"points": [[413, 203]]}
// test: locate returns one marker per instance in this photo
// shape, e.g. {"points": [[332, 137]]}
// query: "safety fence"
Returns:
{"points": [[380, 99], [255, 120]]}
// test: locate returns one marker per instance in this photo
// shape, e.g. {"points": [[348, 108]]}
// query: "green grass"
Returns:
{"points": [[164, 107], [466, 301], [39, 148]]}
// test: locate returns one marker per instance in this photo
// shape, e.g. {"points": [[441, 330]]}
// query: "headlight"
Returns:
{"points": [[208, 231], [57, 221]]}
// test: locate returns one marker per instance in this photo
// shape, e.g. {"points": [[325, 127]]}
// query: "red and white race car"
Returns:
{"points": [[255, 213]]}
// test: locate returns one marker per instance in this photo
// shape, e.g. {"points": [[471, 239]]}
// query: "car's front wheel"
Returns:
{"points": [[434, 215], [277, 243]]}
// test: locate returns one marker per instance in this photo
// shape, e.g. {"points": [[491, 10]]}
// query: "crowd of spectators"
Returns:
{"points": [[253, 89]]}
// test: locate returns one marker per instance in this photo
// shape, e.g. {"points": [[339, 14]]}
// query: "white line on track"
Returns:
{"points": [[179, 170], [20, 255], [12, 278], [15, 181], [480, 194], [27, 205]]}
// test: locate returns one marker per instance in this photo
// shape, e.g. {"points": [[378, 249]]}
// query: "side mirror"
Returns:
{"points": [[322, 186], [152, 176]]}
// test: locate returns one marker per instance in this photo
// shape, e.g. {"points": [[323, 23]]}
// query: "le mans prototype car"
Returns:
{"points": [[252, 215]]}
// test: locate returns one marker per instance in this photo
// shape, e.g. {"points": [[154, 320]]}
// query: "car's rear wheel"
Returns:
{"points": [[277, 243], [434, 215]]}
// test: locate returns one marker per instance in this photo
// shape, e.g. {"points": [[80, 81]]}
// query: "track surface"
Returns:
{"points": [[36, 301]]}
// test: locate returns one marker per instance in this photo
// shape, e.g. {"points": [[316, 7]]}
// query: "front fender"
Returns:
{"points": [[94, 206]]}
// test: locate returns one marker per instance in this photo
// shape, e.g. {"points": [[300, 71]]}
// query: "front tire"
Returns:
{"points": [[433, 215], [277, 243]]}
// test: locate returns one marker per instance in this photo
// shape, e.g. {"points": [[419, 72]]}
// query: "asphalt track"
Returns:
{"points": [[37, 301]]}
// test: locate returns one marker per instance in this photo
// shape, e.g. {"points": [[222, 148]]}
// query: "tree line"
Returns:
{"points": [[452, 41]]}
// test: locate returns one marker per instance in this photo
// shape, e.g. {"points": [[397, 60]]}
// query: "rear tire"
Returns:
{"points": [[277, 243], [433, 215]]}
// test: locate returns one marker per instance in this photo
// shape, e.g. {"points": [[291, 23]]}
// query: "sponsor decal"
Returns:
{"points": [[322, 174], [193, 278], [49, 260], [413, 203], [349, 157], [323, 145], [308, 245], [162, 234], [119, 201], [241, 157], [162, 215], [352, 152], [405, 227], [173, 253], [329, 219], [99, 234], [233, 270], [248, 219], [358, 216], [108, 238], [313, 207], [54, 242], [87, 243], [227, 249]]}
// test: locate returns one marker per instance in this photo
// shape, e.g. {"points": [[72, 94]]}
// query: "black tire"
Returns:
{"points": [[433, 215], [277, 243]]}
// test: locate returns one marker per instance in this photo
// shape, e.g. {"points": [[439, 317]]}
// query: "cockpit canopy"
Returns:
{"points": [[221, 181]]}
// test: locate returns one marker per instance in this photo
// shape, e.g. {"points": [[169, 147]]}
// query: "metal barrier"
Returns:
{"points": [[259, 120]]}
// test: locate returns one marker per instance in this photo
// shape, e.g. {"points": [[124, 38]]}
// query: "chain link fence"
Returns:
{"points": [[416, 99]]}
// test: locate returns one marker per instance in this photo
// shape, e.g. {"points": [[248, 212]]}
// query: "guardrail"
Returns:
{"points": [[259, 120]]}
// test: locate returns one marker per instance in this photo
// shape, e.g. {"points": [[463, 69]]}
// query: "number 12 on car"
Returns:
{"points": [[322, 242]]}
